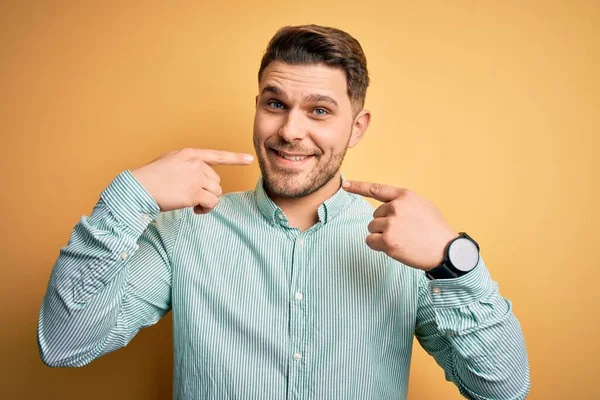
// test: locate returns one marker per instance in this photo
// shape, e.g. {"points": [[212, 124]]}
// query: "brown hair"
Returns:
{"points": [[314, 44]]}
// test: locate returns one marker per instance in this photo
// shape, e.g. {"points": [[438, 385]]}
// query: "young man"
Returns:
{"points": [[297, 289]]}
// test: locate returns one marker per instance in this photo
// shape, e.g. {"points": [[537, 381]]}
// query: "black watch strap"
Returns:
{"points": [[441, 272]]}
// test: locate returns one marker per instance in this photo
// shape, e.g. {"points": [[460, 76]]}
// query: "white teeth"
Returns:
{"points": [[293, 158]]}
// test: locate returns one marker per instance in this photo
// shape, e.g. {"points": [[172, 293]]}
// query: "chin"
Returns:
{"points": [[294, 186], [288, 186]]}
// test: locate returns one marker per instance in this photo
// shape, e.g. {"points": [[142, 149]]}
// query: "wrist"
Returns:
{"points": [[444, 243]]}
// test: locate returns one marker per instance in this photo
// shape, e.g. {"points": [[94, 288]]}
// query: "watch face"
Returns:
{"points": [[463, 254]]}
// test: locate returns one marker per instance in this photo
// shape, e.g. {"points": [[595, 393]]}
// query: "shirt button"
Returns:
{"points": [[280, 215], [449, 333], [298, 296], [300, 242], [124, 255], [436, 290], [297, 356]]}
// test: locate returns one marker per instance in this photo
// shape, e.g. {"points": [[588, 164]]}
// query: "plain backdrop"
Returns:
{"points": [[487, 108]]}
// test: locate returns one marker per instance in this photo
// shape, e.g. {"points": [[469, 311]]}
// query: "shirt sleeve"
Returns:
{"points": [[111, 279], [473, 334]]}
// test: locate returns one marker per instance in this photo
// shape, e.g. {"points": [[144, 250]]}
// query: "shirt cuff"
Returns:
{"points": [[130, 202], [458, 292]]}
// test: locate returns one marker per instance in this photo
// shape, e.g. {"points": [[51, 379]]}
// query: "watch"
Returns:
{"points": [[461, 257]]}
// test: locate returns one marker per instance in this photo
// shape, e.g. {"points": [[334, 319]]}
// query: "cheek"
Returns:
{"points": [[330, 139], [265, 125]]}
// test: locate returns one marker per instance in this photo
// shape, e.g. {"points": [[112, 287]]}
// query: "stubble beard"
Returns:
{"points": [[289, 184]]}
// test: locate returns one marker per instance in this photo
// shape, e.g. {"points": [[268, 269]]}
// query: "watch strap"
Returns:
{"points": [[441, 272]]}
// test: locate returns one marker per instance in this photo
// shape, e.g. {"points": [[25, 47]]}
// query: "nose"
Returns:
{"points": [[293, 127]]}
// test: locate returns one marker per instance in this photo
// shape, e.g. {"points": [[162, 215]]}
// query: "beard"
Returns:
{"points": [[285, 183]]}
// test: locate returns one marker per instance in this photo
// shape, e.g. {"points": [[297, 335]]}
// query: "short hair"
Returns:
{"points": [[314, 44]]}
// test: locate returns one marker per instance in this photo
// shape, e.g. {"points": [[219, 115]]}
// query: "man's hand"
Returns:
{"points": [[184, 178], [406, 227]]}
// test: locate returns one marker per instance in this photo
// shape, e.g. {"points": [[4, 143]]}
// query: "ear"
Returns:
{"points": [[359, 127]]}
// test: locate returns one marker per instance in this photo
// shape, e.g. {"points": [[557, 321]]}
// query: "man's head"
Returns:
{"points": [[309, 110]]}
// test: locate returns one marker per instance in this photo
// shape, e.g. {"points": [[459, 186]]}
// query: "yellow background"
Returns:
{"points": [[489, 109]]}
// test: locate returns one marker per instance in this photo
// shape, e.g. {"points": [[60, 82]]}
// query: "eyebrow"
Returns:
{"points": [[311, 97]]}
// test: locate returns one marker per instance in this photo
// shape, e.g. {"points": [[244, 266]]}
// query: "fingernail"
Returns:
{"points": [[248, 158], [346, 184]]}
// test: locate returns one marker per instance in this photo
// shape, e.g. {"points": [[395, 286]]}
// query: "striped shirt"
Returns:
{"points": [[262, 310]]}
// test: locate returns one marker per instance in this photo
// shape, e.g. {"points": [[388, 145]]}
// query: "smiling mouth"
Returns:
{"points": [[291, 157]]}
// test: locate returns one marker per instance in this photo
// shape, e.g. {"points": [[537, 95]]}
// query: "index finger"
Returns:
{"points": [[221, 157], [377, 191]]}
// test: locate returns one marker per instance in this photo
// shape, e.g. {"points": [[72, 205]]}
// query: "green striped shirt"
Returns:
{"points": [[264, 311]]}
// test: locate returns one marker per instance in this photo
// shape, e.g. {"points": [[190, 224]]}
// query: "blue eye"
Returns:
{"points": [[320, 112], [275, 104]]}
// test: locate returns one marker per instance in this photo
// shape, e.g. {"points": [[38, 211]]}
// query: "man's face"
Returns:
{"points": [[303, 126]]}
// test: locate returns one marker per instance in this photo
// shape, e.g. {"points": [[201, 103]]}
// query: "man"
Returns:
{"points": [[297, 289]]}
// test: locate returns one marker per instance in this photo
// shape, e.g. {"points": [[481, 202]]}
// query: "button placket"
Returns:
{"points": [[298, 318]]}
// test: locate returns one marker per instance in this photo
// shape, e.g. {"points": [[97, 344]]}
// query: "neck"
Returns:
{"points": [[302, 212]]}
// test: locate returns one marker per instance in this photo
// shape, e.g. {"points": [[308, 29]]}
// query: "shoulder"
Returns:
{"points": [[234, 206], [358, 206], [237, 199]]}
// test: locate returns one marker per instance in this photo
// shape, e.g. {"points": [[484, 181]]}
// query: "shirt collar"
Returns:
{"points": [[275, 215]]}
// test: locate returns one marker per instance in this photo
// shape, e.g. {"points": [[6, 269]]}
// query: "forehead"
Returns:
{"points": [[302, 80]]}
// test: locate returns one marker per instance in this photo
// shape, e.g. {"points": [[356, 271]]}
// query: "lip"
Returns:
{"points": [[283, 162]]}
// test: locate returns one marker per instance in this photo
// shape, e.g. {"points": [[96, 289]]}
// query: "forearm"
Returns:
{"points": [[82, 313], [475, 336]]}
